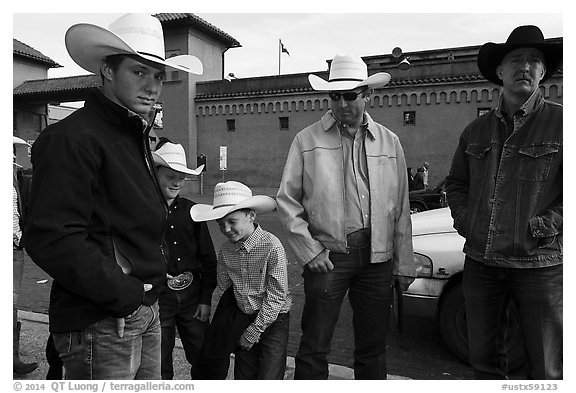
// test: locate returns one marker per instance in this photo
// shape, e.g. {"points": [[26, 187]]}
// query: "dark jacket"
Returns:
{"points": [[505, 192], [93, 194], [190, 247]]}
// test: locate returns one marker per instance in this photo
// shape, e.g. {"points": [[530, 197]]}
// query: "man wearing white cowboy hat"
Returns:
{"points": [[343, 200], [191, 263], [97, 214], [252, 317], [505, 194]]}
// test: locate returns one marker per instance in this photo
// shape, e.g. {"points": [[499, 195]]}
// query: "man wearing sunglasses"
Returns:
{"points": [[343, 201]]}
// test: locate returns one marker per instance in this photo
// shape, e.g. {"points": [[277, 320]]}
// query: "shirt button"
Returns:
{"points": [[178, 259], [171, 226], [175, 242]]}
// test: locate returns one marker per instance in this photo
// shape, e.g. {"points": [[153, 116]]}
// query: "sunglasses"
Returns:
{"points": [[152, 138], [348, 96]]}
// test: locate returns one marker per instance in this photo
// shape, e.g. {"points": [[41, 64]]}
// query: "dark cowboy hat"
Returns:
{"points": [[491, 54]]}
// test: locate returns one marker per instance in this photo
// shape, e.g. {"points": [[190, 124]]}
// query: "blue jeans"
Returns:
{"points": [[369, 287], [97, 352], [537, 294], [267, 358], [177, 309]]}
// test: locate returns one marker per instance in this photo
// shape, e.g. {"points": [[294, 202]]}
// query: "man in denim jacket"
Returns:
{"points": [[505, 193], [343, 201]]}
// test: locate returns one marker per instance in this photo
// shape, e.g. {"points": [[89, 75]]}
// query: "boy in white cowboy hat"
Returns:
{"points": [[343, 200], [505, 194], [252, 317], [97, 214], [191, 263]]}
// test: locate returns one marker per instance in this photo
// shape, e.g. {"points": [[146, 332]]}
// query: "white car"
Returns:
{"points": [[437, 292]]}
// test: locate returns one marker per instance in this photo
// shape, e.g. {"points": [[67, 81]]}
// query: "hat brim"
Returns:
{"points": [[19, 141], [491, 55], [176, 167], [379, 79], [88, 45], [261, 204]]}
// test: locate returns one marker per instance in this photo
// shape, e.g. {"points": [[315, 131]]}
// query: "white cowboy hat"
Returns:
{"points": [[348, 72], [172, 156], [131, 34], [19, 141], [230, 197]]}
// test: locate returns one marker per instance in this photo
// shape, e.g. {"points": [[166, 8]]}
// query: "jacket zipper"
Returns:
{"points": [[152, 171]]}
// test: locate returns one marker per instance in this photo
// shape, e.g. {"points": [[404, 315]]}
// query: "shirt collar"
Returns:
{"points": [[175, 201], [252, 240], [531, 104], [329, 121]]}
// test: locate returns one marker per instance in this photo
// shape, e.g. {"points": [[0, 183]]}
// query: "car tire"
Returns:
{"points": [[453, 330]]}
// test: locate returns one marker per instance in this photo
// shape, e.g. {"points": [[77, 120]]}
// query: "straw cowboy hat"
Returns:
{"points": [[491, 54], [131, 34], [348, 72], [229, 197], [172, 156]]}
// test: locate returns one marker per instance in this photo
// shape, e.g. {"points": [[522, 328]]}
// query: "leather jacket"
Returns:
{"points": [[505, 193], [311, 195]]}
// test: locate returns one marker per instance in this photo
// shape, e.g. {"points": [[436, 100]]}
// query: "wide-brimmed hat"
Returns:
{"points": [[131, 34], [19, 141], [348, 72], [491, 54], [230, 197], [172, 155]]}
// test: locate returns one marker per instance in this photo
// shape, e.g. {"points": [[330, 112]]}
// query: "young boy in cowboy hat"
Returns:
{"points": [[96, 212], [191, 263], [252, 317], [343, 200], [505, 194]]}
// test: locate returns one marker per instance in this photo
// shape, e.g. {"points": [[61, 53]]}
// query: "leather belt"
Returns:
{"points": [[358, 239]]}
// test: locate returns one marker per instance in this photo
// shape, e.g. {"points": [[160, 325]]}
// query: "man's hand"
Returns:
{"points": [[202, 312], [404, 282], [321, 263], [121, 323]]}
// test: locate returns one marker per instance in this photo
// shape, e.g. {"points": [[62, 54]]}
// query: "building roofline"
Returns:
{"points": [[25, 51], [190, 20]]}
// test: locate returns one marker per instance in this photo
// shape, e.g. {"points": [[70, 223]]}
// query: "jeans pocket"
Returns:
{"points": [[133, 313]]}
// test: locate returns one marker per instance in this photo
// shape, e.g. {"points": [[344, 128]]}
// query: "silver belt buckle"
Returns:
{"points": [[181, 281]]}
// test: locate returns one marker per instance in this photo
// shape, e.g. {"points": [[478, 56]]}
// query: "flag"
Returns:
{"points": [[283, 49]]}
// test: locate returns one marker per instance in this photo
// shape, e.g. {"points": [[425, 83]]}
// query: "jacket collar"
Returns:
{"points": [[532, 103], [115, 113], [328, 121]]}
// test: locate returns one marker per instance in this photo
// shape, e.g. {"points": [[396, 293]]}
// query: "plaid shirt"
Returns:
{"points": [[258, 270], [16, 231]]}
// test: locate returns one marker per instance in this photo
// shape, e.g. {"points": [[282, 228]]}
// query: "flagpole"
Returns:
{"points": [[279, 54]]}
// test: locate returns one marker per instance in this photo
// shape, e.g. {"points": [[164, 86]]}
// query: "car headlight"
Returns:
{"points": [[423, 265]]}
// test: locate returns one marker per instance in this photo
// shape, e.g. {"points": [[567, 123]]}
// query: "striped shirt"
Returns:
{"points": [[258, 270]]}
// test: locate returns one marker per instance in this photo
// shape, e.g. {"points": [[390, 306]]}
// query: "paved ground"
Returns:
{"points": [[418, 353]]}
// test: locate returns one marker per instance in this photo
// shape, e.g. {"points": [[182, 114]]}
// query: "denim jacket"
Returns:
{"points": [[311, 195], [505, 194]]}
